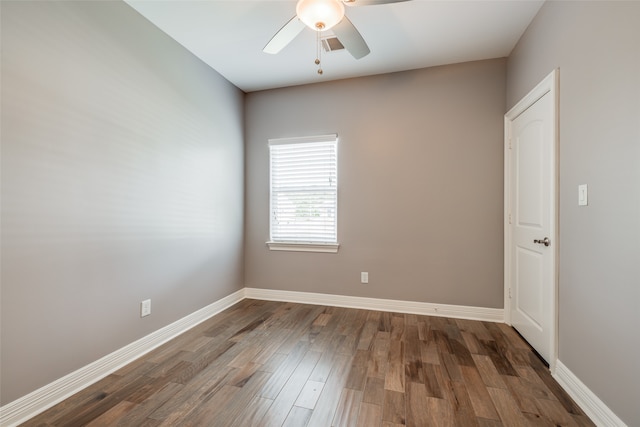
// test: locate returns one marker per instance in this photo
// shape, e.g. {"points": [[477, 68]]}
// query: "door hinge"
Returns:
{"points": [[509, 217], [509, 292], [510, 143]]}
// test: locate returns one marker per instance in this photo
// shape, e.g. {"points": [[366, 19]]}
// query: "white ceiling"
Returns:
{"points": [[229, 36]]}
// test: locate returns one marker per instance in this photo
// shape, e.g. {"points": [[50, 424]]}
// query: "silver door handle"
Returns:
{"points": [[544, 241]]}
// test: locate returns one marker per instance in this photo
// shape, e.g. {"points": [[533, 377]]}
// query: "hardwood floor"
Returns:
{"points": [[264, 363]]}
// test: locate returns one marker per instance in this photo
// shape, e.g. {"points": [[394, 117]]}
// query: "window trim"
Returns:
{"points": [[329, 248], [293, 246]]}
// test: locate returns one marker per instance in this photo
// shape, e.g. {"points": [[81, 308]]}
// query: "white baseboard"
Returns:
{"points": [[595, 408], [34, 403], [411, 307], [45, 397]]}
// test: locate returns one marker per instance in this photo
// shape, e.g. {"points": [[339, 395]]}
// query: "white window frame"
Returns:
{"points": [[300, 246]]}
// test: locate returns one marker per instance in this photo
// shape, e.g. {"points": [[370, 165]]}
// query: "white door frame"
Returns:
{"points": [[548, 85]]}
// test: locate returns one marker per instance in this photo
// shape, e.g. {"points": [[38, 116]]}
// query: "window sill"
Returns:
{"points": [[331, 248]]}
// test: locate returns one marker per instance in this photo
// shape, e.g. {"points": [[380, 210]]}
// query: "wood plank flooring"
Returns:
{"points": [[264, 363]]}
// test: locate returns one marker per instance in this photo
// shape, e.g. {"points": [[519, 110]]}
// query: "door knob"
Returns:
{"points": [[544, 241]]}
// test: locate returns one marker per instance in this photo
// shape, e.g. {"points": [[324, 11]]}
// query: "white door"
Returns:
{"points": [[531, 189]]}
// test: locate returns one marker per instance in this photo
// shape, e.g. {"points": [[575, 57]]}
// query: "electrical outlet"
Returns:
{"points": [[145, 308], [364, 277]]}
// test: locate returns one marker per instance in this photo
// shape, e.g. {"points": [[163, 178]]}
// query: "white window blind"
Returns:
{"points": [[304, 189]]}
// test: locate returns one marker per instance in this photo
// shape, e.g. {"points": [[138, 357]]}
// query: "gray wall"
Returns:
{"points": [[122, 179], [420, 184], [596, 45]]}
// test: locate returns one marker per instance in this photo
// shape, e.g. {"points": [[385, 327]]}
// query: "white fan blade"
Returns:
{"points": [[369, 2], [351, 38], [283, 37]]}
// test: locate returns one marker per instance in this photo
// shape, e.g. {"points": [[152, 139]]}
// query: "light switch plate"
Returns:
{"points": [[583, 195]]}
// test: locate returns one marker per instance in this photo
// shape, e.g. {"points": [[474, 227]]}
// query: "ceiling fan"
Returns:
{"points": [[322, 15]]}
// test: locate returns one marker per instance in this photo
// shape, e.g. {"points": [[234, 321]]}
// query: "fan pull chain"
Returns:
{"points": [[318, 52]]}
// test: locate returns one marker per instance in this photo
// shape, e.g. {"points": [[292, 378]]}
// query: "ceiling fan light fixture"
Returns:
{"points": [[320, 15]]}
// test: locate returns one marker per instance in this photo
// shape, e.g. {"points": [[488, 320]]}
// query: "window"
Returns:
{"points": [[304, 193]]}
